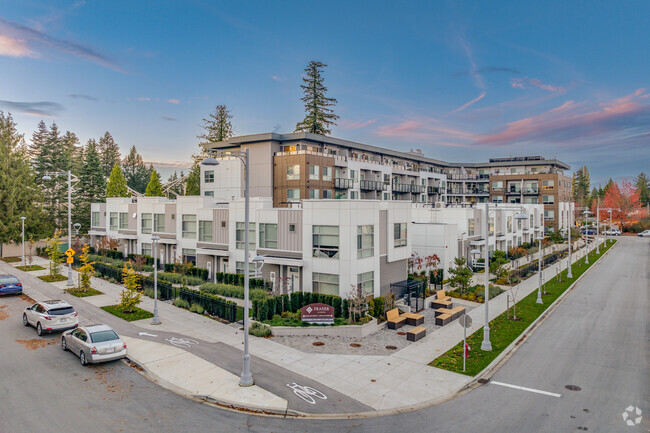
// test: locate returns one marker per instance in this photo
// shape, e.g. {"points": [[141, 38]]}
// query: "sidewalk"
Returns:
{"points": [[384, 383]]}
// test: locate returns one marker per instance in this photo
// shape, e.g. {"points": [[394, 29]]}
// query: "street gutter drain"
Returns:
{"points": [[573, 388], [483, 381], [391, 347], [318, 343], [355, 345]]}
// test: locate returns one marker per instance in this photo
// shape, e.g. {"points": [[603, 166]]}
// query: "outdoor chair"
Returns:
{"points": [[443, 319], [395, 321], [416, 333]]}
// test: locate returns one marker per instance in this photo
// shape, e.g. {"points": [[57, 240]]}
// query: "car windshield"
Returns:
{"points": [[101, 336], [60, 311], [8, 280]]}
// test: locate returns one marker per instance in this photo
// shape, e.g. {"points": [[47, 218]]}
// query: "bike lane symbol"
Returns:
{"points": [[307, 393], [181, 342]]}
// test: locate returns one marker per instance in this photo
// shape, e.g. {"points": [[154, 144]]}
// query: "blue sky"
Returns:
{"points": [[463, 81]]}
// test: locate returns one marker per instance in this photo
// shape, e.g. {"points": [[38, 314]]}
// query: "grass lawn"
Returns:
{"points": [[80, 293], [30, 268], [137, 314], [52, 278], [11, 259], [504, 331]]}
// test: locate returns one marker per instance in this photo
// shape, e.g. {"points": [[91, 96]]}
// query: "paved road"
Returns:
{"points": [[597, 339]]}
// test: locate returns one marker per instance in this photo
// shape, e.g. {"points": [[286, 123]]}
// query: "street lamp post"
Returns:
{"points": [[610, 225], [22, 220], [586, 214], [539, 265], [569, 274], [47, 176], [154, 244], [246, 378], [597, 229]]}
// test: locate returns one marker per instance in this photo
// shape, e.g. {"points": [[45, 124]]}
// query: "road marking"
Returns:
{"points": [[147, 334], [523, 388], [307, 393], [181, 342]]}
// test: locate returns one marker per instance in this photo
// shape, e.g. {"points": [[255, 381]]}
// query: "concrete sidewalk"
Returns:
{"points": [[383, 383]]}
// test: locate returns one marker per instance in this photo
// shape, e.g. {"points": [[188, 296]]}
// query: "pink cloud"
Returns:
{"points": [[13, 47], [348, 124], [173, 101], [462, 107], [429, 130], [523, 83]]}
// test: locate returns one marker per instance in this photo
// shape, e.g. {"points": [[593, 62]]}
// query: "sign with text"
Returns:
{"points": [[317, 313]]}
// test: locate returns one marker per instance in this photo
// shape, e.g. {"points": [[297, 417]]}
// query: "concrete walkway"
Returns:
{"points": [[401, 379]]}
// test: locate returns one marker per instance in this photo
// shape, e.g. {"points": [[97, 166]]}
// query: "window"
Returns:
{"points": [[491, 225], [94, 219], [386, 178], [293, 172], [366, 283], [497, 185], [158, 222], [146, 249], [509, 224], [209, 193], [239, 268], [531, 200], [365, 241], [549, 215], [189, 255], [327, 193], [548, 199], [292, 228], [240, 235], [386, 196], [325, 283], [268, 235], [208, 176], [188, 226], [293, 194], [325, 241], [314, 172], [353, 174], [205, 231], [497, 199], [327, 173], [399, 234], [314, 193], [224, 224], [531, 223], [548, 184], [470, 227], [354, 195], [113, 221], [124, 220], [147, 223]]}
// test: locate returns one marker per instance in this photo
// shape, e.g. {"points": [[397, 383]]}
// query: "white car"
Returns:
{"points": [[94, 344], [612, 232], [50, 316], [645, 234]]}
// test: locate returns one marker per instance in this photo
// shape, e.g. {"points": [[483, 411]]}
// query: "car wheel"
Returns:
{"points": [[64, 345], [25, 321], [82, 358], [39, 329]]}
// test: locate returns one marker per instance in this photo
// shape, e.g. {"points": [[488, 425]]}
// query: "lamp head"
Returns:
{"points": [[46, 177], [258, 261], [475, 252], [521, 217], [210, 161], [155, 238], [23, 218], [587, 212], [76, 227]]}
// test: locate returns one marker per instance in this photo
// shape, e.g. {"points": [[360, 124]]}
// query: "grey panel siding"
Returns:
{"points": [[266, 272], [261, 169], [281, 254], [133, 222], [390, 273], [170, 222], [383, 232], [102, 215], [212, 246], [290, 241], [220, 234]]}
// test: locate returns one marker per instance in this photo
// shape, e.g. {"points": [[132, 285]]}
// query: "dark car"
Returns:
{"points": [[10, 285], [588, 232]]}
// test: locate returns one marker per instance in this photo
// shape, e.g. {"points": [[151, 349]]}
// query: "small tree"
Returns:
{"points": [[357, 304], [116, 186], [30, 250], [513, 290], [86, 271], [131, 296], [461, 275], [415, 263], [154, 188], [182, 268], [54, 253]]}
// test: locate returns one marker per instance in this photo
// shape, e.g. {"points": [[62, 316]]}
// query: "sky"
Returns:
{"points": [[462, 81]]}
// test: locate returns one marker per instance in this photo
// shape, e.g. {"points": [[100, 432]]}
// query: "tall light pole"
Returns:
{"points": [[610, 226], [598, 227], [246, 378], [569, 274], [22, 220], [586, 213], [154, 244], [48, 176], [539, 265]]}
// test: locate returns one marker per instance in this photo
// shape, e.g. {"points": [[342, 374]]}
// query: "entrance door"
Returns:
{"points": [[294, 279]]}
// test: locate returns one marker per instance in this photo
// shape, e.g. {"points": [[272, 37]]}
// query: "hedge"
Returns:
{"points": [[238, 280], [232, 291], [194, 272], [179, 279], [532, 267], [212, 305], [265, 309], [149, 259]]}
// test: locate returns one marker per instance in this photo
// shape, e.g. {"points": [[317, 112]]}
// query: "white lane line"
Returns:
{"points": [[523, 388]]}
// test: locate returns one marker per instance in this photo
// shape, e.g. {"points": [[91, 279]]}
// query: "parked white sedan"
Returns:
{"points": [[50, 316], [94, 344]]}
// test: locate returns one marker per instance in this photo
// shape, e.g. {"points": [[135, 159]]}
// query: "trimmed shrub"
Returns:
{"points": [[181, 303], [197, 308], [259, 330], [233, 291]]}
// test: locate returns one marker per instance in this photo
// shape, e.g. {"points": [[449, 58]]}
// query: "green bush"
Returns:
{"points": [[149, 292], [182, 303], [232, 291], [259, 330], [173, 278], [196, 308], [378, 310]]}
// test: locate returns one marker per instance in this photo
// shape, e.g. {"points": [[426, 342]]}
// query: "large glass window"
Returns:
{"points": [[189, 255], [549, 215], [268, 235], [239, 268], [491, 225], [314, 193], [240, 242], [314, 172], [293, 194], [548, 199], [113, 221], [365, 241], [145, 249], [94, 219], [497, 199], [124, 220], [205, 231], [509, 224], [470, 227], [497, 185], [159, 222], [531, 200], [188, 226], [208, 175], [399, 234], [325, 240], [327, 173], [327, 193], [366, 283], [548, 184], [293, 172], [147, 223], [325, 283]]}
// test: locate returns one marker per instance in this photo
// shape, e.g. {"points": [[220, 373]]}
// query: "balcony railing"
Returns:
{"points": [[531, 191], [417, 189], [372, 185], [343, 183], [433, 189], [401, 187]]}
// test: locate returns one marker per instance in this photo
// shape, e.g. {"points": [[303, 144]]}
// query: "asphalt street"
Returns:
{"points": [[597, 340]]}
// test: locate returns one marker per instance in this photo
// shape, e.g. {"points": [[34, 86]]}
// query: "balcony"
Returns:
{"points": [[372, 185], [343, 183], [433, 190], [513, 191], [401, 187], [416, 189], [531, 191]]}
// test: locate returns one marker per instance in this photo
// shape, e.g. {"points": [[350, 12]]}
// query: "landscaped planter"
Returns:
{"points": [[352, 331]]}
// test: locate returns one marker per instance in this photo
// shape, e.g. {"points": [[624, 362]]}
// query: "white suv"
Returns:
{"points": [[49, 316]]}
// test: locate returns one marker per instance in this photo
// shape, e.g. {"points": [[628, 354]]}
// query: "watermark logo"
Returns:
{"points": [[309, 310], [632, 416]]}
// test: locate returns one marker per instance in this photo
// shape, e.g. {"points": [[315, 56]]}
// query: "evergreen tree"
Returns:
{"points": [[581, 185], [116, 186], [40, 160], [320, 117], [136, 173], [193, 183], [110, 153], [178, 189], [20, 195], [154, 188], [91, 187], [217, 126], [70, 146], [642, 184]]}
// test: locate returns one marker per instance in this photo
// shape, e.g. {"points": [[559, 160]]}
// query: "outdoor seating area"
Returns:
{"points": [[394, 319], [416, 333], [442, 301]]}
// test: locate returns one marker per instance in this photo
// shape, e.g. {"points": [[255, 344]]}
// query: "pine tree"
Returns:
{"points": [[116, 186], [70, 146], [193, 183], [20, 195], [320, 117], [136, 173], [154, 188], [110, 153], [91, 187], [217, 126], [642, 184], [581, 185]]}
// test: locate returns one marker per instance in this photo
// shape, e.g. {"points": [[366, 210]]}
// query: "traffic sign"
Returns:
{"points": [[465, 321], [70, 260], [69, 253]]}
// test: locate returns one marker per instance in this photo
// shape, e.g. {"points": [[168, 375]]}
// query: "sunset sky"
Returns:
{"points": [[462, 81]]}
